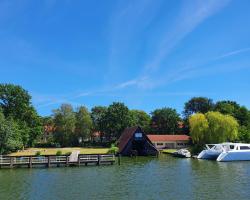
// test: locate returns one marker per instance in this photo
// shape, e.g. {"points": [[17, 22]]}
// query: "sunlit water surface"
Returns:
{"points": [[136, 178]]}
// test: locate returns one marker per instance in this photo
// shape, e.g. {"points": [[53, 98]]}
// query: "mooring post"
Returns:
{"points": [[79, 160], [99, 159], [67, 161], [11, 161], [30, 162], [48, 165], [119, 159]]}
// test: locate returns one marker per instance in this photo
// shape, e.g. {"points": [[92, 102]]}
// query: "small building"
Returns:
{"points": [[170, 141], [133, 141]]}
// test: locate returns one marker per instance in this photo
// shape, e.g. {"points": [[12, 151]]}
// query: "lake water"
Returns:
{"points": [[136, 178]]}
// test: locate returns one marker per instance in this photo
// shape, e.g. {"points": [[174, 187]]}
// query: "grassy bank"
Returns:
{"points": [[169, 151], [52, 151]]}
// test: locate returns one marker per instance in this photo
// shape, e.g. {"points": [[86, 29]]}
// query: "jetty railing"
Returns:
{"points": [[50, 160]]}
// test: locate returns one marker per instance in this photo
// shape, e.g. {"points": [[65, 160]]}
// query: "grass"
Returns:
{"points": [[52, 151], [169, 151]]}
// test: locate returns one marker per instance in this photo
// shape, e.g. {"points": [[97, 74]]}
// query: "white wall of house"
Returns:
{"points": [[170, 144]]}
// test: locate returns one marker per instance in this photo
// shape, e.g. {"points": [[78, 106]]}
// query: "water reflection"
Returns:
{"points": [[136, 178]]}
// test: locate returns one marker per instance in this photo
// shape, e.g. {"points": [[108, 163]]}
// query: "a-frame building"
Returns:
{"points": [[133, 141]]}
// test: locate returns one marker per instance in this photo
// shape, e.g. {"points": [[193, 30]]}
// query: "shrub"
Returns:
{"points": [[58, 153], [113, 149], [38, 153]]}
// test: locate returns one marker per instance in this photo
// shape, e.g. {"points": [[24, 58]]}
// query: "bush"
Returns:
{"points": [[38, 153], [113, 149], [59, 153]]}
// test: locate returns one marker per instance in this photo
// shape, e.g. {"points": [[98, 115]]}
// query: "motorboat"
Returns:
{"points": [[213, 151], [236, 152], [182, 153]]}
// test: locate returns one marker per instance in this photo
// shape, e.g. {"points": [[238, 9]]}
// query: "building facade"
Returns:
{"points": [[170, 141]]}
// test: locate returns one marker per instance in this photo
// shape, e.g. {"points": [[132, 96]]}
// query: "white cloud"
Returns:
{"points": [[232, 53]]}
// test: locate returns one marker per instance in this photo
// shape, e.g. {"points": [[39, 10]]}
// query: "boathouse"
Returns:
{"points": [[133, 141]]}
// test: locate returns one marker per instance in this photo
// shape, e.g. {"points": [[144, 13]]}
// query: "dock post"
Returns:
{"points": [[11, 162], [67, 161], [48, 165], [99, 159], [30, 162], [119, 159], [79, 161]]}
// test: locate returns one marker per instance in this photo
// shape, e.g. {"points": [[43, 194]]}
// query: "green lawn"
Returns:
{"points": [[169, 151], [52, 151]]}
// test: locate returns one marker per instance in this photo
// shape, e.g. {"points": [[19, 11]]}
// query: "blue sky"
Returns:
{"points": [[145, 53]]}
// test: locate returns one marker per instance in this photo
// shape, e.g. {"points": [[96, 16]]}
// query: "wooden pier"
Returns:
{"points": [[53, 161]]}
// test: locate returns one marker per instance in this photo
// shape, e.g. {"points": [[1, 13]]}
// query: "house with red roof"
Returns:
{"points": [[170, 141]]}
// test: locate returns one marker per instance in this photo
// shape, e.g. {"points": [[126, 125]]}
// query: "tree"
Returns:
{"points": [[15, 103], [84, 123], [198, 105], [213, 127], [198, 128], [165, 120], [10, 138], [221, 127], [97, 114], [244, 134], [65, 121], [139, 118], [116, 119], [232, 108]]}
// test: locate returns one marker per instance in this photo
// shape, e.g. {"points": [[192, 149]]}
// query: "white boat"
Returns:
{"points": [[213, 151], [182, 153], [236, 152]]}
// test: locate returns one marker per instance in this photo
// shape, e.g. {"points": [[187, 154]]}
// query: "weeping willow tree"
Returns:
{"points": [[212, 127]]}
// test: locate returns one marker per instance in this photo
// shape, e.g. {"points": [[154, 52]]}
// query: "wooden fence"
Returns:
{"points": [[52, 160]]}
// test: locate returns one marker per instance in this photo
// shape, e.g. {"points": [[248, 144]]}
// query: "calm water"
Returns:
{"points": [[141, 178]]}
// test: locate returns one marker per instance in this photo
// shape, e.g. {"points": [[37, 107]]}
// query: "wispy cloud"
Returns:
{"points": [[190, 16], [232, 53]]}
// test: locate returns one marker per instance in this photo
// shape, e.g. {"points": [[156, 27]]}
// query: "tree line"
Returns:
{"points": [[204, 120]]}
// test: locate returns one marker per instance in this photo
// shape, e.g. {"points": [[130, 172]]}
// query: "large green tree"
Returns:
{"points": [[198, 128], [198, 105], [241, 113], [15, 103], [116, 119], [140, 118], [10, 135], [244, 134], [65, 121], [165, 121], [84, 124], [97, 114], [213, 127]]}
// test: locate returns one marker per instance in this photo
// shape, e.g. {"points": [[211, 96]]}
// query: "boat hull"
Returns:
{"points": [[181, 155], [208, 155], [234, 156]]}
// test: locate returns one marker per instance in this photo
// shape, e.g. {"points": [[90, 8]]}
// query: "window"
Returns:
{"points": [[138, 136], [159, 144], [244, 148]]}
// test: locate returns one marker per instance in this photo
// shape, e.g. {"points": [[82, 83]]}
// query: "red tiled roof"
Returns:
{"points": [[168, 137]]}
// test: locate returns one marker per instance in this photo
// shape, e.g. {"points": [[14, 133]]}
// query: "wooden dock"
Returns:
{"points": [[53, 161]]}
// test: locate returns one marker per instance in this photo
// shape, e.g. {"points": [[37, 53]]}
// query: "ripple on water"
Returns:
{"points": [[137, 178]]}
